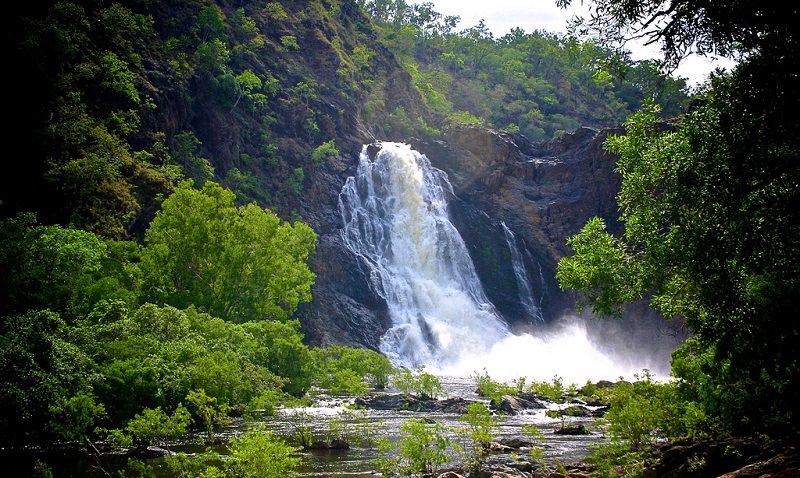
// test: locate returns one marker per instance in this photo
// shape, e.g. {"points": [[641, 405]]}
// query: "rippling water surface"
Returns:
{"points": [[356, 462]]}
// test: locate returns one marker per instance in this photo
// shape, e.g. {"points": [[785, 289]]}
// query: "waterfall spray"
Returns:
{"points": [[396, 220]]}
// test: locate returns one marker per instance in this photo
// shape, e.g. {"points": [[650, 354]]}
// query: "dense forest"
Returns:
{"points": [[154, 244]]}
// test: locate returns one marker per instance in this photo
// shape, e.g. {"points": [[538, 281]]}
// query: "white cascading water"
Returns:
{"points": [[524, 286], [395, 216], [396, 221]]}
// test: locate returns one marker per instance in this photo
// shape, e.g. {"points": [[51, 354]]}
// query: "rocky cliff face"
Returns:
{"points": [[543, 193]]}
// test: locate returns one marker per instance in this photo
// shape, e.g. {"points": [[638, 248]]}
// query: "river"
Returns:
{"points": [[355, 462]]}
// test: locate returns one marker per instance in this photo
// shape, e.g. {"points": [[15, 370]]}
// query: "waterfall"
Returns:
{"points": [[396, 220], [524, 286]]}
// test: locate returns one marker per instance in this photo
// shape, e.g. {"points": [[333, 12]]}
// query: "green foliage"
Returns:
{"points": [[44, 380], [115, 437], [348, 370], [553, 390], [601, 267], [417, 382], [295, 180], [281, 350], [490, 388], [300, 428], [325, 150], [615, 459], [462, 118], [41, 470], [643, 412], [537, 440], [41, 266], [208, 410], [276, 11], [239, 263], [202, 465], [419, 451], [476, 434], [155, 356], [247, 82], [188, 153], [710, 204], [710, 238], [290, 42], [211, 23], [356, 427], [139, 469], [542, 83], [74, 418], [260, 454], [154, 426]]}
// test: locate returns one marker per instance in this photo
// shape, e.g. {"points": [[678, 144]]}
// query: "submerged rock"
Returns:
{"points": [[335, 444], [410, 403], [572, 429]]}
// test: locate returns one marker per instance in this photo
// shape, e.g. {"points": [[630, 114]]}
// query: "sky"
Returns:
{"points": [[500, 16]]}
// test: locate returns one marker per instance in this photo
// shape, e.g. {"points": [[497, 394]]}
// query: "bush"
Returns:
{"points": [[553, 390], [489, 388], [418, 383], [643, 411], [421, 449], [476, 434], [260, 454], [325, 150], [348, 370]]}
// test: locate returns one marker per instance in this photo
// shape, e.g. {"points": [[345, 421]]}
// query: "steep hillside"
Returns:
{"points": [[123, 100]]}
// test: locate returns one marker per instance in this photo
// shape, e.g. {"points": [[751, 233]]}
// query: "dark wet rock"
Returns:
{"points": [[334, 444], [515, 404], [410, 403], [582, 411], [515, 442], [572, 429], [450, 474], [730, 458]]}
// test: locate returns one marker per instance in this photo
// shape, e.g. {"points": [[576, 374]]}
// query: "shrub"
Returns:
{"points": [[324, 150], [489, 388], [643, 411], [476, 434], [418, 383], [260, 454], [421, 449]]}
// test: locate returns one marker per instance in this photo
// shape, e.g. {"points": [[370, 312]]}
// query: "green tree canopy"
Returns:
{"points": [[711, 231], [710, 207], [40, 266], [238, 263]]}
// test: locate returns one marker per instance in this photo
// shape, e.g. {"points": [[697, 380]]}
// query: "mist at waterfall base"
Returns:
{"points": [[574, 349], [396, 221]]}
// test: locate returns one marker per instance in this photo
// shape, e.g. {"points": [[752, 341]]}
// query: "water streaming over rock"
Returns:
{"points": [[526, 293], [396, 220]]}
